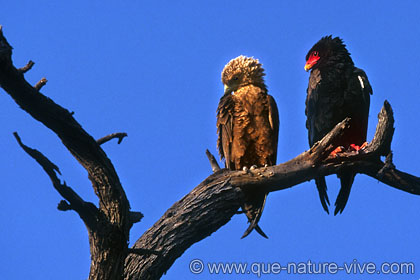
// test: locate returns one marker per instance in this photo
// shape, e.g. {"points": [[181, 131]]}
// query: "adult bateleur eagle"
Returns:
{"points": [[247, 127], [336, 90]]}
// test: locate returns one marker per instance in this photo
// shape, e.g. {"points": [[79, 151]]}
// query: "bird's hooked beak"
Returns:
{"points": [[228, 89], [312, 60]]}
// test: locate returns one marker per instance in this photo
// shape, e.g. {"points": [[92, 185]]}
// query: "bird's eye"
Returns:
{"points": [[235, 78], [315, 53]]}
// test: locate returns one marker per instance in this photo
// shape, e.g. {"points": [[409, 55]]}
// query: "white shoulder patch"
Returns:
{"points": [[361, 81]]}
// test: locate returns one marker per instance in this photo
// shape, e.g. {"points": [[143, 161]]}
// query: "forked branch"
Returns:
{"points": [[87, 211]]}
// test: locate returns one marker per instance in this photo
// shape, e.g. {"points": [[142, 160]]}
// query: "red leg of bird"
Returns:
{"points": [[337, 150]]}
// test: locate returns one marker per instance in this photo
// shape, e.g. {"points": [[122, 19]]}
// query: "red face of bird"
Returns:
{"points": [[242, 71], [327, 52], [312, 60]]}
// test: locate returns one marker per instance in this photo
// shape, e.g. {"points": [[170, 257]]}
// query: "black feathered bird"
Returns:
{"points": [[336, 90]]}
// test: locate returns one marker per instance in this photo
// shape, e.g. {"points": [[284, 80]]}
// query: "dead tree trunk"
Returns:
{"points": [[109, 225], [198, 214]]}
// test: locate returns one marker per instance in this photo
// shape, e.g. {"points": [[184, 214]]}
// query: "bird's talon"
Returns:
{"points": [[245, 169], [253, 167], [357, 148], [354, 147], [337, 150]]}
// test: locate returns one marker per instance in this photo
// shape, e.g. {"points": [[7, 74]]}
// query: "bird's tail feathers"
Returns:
{"points": [[346, 179], [321, 185], [253, 210], [257, 229]]}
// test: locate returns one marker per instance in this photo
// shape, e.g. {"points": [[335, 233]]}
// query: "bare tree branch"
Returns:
{"points": [[213, 162], [87, 211], [135, 217], [27, 67], [119, 135], [212, 203], [108, 242], [40, 84], [197, 215]]}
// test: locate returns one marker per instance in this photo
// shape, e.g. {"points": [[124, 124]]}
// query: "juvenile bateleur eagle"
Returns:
{"points": [[336, 90], [247, 127]]}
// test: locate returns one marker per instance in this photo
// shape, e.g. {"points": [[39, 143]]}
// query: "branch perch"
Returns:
{"points": [[212, 203]]}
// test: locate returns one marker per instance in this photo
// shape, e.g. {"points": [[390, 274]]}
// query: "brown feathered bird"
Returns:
{"points": [[248, 126], [336, 90]]}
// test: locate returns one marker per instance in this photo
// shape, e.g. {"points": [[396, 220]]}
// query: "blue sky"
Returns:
{"points": [[152, 69]]}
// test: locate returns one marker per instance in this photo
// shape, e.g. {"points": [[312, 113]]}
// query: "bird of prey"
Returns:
{"points": [[247, 127], [336, 90]]}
